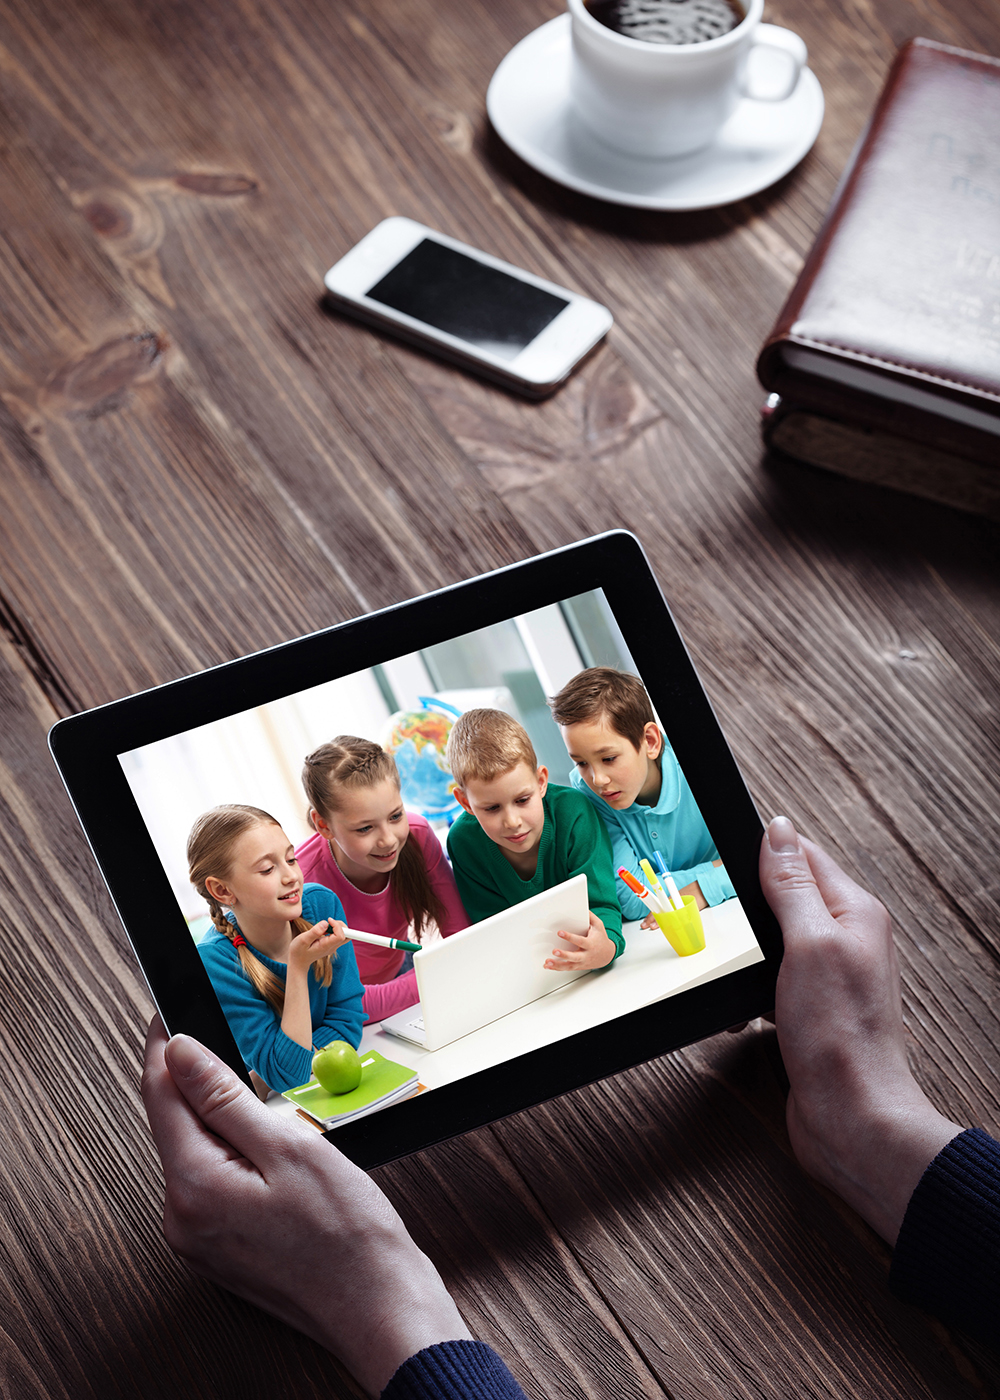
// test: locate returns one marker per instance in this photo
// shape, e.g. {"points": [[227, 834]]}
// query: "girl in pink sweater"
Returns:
{"points": [[385, 864]]}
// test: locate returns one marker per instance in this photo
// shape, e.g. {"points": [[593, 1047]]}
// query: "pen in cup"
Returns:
{"points": [[650, 900], [654, 885], [674, 895]]}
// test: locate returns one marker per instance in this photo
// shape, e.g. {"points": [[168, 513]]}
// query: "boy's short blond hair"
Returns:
{"points": [[603, 693], [486, 744]]}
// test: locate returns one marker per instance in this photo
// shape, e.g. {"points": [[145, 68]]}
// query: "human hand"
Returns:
{"points": [[591, 949], [649, 922], [317, 942], [694, 889], [857, 1120], [272, 1211]]}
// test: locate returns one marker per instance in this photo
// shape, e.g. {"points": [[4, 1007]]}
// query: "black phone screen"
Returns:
{"points": [[465, 298]]}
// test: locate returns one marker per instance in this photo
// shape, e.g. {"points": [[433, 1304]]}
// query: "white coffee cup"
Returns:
{"points": [[662, 100]]}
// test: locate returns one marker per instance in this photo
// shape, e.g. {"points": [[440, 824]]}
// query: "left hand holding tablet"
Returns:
{"points": [[585, 950], [273, 1212]]}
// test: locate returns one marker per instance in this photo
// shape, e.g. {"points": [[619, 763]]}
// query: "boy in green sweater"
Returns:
{"points": [[520, 834]]}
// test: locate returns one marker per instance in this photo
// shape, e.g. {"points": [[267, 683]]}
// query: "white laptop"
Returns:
{"points": [[486, 971]]}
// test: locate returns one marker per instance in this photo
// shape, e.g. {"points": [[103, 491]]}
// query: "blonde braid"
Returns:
{"points": [[217, 915]]}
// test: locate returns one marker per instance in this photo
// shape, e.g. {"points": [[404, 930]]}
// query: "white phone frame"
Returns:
{"points": [[539, 368]]}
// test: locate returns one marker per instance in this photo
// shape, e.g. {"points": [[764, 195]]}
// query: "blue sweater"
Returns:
{"points": [[673, 826], [947, 1257], [454, 1371], [336, 1010]]}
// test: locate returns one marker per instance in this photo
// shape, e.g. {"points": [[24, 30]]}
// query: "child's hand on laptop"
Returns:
{"points": [[585, 950]]}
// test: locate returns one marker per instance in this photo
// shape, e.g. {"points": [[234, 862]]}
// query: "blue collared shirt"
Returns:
{"points": [[673, 826]]}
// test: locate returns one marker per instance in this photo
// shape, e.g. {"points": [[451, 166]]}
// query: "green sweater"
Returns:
{"points": [[574, 841]]}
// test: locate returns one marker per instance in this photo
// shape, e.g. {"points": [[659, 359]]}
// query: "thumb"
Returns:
{"points": [[787, 879], [218, 1098]]}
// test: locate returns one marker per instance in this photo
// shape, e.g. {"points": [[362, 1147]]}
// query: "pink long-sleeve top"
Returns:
{"points": [[385, 993]]}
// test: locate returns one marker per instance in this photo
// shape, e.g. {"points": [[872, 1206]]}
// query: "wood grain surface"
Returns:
{"points": [[197, 459]]}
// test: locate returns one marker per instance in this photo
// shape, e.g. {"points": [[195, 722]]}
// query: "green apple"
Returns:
{"points": [[337, 1067]]}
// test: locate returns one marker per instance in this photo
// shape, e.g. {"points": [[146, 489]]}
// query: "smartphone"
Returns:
{"points": [[466, 306]]}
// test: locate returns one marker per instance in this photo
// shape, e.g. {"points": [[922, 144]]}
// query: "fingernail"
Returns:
{"points": [[782, 836], [185, 1057]]}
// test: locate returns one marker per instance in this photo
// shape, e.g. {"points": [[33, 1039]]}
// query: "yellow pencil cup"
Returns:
{"points": [[682, 928]]}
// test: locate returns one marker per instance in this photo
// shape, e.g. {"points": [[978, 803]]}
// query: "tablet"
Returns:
{"points": [[140, 771]]}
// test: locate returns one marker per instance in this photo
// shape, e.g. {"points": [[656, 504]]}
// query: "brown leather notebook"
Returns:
{"points": [[886, 356]]}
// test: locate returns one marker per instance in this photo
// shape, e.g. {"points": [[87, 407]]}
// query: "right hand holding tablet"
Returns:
{"points": [[272, 1211], [857, 1119]]}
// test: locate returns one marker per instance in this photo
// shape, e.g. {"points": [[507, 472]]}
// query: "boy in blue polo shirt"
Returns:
{"points": [[626, 767]]}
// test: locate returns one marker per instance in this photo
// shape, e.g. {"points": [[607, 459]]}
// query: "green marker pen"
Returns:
{"points": [[381, 942]]}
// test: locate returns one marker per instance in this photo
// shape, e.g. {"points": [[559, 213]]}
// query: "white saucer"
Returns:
{"points": [[528, 104]]}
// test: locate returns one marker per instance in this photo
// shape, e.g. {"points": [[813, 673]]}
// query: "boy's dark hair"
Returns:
{"points": [[601, 692]]}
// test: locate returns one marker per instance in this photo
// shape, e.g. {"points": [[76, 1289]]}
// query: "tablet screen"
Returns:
{"points": [[481, 906], [406, 705]]}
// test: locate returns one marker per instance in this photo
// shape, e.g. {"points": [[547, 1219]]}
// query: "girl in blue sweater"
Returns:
{"points": [[279, 960]]}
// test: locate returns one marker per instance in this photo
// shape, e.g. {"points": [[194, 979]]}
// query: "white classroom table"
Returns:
{"points": [[647, 971]]}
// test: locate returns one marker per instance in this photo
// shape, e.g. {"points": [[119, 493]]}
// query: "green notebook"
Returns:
{"points": [[382, 1082]]}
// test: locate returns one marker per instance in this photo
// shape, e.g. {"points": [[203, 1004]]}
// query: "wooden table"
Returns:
{"points": [[199, 461]]}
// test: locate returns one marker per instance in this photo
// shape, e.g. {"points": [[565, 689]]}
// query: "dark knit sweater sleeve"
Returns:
{"points": [[454, 1371], [947, 1257]]}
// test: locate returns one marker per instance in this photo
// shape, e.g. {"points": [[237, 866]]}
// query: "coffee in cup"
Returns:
{"points": [[648, 79], [669, 21]]}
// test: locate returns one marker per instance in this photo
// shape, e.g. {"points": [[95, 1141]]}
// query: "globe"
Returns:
{"points": [[417, 740]]}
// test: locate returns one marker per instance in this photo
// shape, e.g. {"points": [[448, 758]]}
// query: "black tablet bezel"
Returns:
{"points": [[86, 749]]}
